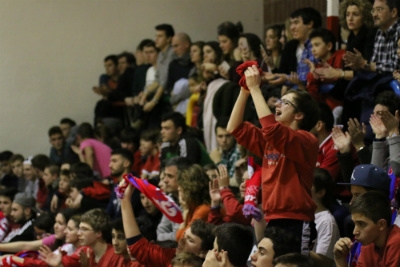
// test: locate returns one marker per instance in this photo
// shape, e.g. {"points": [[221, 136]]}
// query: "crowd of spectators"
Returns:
{"points": [[278, 152]]}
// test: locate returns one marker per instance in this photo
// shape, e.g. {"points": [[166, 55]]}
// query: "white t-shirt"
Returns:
{"points": [[328, 233], [150, 75]]}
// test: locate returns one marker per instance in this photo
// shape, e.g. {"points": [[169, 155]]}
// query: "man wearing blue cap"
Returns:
{"points": [[367, 177]]}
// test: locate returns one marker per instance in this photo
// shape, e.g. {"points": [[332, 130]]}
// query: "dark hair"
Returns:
{"points": [[277, 29], [326, 116], [9, 192], [45, 222], [205, 232], [130, 58], [293, 259], [112, 58], [81, 183], [129, 135], [237, 240], [187, 259], [323, 181], [394, 4], [283, 241], [177, 118], [254, 43], [65, 172], [308, 14], [125, 153], [373, 205], [16, 157], [167, 28], [150, 136], [230, 30], [117, 225], [222, 122], [390, 100], [307, 105], [54, 130], [67, 214], [68, 121], [146, 43], [5, 155], [53, 168], [200, 45], [99, 220], [40, 161], [217, 50], [81, 169], [85, 130], [326, 35]]}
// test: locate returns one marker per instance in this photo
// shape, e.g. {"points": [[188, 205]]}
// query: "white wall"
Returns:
{"points": [[51, 53]]}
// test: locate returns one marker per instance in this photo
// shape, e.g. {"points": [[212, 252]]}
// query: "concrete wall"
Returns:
{"points": [[51, 53]]}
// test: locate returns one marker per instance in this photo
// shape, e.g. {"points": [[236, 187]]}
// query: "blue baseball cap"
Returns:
{"points": [[372, 176]]}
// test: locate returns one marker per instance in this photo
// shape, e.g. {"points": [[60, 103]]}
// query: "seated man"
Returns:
{"points": [[59, 151], [227, 152], [23, 214], [17, 167], [149, 150], [176, 142], [380, 240], [232, 246], [6, 199], [198, 238], [276, 242]]}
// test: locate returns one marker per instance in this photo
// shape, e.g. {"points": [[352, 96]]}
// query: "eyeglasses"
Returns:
{"points": [[285, 102], [377, 10]]}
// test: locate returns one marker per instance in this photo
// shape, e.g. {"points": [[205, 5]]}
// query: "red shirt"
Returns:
{"points": [[151, 165], [289, 159], [150, 254], [386, 257]]}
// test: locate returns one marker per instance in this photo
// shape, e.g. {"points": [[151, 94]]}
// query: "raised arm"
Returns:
{"points": [[238, 111], [131, 227]]}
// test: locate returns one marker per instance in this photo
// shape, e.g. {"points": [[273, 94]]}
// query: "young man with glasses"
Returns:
{"points": [[289, 152]]}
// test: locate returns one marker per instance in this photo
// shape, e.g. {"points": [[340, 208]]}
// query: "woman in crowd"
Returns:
{"points": [[272, 54], [193, 197], [228, 36]]}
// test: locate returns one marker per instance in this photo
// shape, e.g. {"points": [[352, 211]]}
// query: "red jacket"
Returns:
{"points": [[150, 254], [98, 191], [289, 158], [231, 213]]}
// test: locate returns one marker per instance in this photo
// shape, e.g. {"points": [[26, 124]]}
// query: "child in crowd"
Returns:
{"points": [[329, 91]]}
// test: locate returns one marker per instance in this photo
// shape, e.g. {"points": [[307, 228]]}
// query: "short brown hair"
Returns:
{"points": [[99, 220]]}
